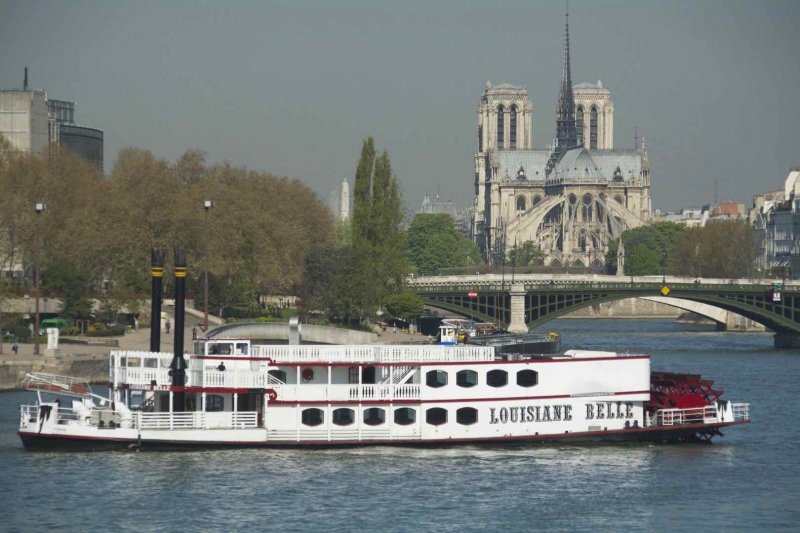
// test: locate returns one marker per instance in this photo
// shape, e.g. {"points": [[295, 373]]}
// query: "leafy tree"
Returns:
{"points": [[405, 305], [526, 254], [723, 249], [647, 247], [434, 243]]}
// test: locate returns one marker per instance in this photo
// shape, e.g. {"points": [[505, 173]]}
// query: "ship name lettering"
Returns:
{"points": [[530, 413], [610, 410]]}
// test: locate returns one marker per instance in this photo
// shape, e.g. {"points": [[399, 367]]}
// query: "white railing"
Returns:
{"points": [[230, 378], [678, 417], [308, 392], [373, 354], [197, 420], [329, 435], [741, 411]]}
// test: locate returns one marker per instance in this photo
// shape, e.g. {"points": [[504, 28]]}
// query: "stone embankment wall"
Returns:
{"points": [[94, 368], [629, 308]]}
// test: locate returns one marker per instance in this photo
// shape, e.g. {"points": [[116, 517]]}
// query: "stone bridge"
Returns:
{"points": [[529, 300]]}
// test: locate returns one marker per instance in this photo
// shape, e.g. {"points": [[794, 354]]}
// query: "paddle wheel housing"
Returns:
{"points": [[680, 391]]}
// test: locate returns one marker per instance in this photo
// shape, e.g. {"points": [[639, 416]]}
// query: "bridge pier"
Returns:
{"points": [[517, 323], [787, 340]]}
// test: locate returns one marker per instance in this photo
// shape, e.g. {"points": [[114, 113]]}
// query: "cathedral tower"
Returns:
{"points": [[565, 114], [594, 116]]}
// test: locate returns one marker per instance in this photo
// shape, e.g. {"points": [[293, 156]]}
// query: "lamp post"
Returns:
{"points": [[40, 206], [207, 204]]}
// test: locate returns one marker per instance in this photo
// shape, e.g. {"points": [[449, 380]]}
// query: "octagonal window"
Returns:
{"points": [[374, 416], [466, 378], [343, 416], [405, 416], [436, 416], [527, 378], [436, 378], [497, 378], [312, 417], [467, 416]]}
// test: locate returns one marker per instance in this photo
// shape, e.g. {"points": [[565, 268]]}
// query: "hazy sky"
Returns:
{"points": [[293, 87]]}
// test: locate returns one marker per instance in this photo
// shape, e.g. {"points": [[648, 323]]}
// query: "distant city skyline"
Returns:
{"points": [[292, 88]]}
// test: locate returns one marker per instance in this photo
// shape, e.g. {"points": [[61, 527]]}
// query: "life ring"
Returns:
{"points": [[308, 375]]}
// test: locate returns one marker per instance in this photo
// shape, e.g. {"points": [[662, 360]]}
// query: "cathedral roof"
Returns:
{"points": [[595, 86], [598, 163]]}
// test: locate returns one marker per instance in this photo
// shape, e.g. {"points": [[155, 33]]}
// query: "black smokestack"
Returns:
{"points": [[178, 365], [25, 85], [157, 274]]}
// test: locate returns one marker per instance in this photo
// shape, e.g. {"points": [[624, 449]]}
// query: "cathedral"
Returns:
{"points": [[571, 199]]}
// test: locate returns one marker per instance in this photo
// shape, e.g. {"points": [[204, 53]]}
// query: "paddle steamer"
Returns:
{"points": [[234, 392]]}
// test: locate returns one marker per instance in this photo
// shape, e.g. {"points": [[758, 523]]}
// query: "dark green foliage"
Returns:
{"points": [[526, 254], [405, 306], [73, 284], [434, 243], [648, 248]]}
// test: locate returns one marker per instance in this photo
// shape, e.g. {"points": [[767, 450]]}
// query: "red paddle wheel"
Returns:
{"points": [[680, 391]]}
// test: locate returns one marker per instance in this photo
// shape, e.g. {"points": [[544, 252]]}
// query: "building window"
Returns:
{"points": [[466, 378], [480, 138], [466, 416], [374, 416], [368, 375], [527, 378], [500, 126], [343, 417], [214, 402], [352, 375], [405, 416], [312, 417], [279, 375], [497, 378], [436, 416], [513, 123], [520, 203], [579, 124], [593, 129], [436, 378], [536, 200]]}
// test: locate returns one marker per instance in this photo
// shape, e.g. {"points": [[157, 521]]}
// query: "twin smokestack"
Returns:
{"points": [[178, 365]]}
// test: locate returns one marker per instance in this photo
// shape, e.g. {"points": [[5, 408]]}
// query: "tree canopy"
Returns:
{"points": [[434, 243]]}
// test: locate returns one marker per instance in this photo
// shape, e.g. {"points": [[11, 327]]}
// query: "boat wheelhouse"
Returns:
{"points": [[242, 394]]}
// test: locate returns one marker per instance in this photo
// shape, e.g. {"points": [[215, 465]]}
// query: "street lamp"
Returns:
{"points": [[207, 204], [40, 206]]}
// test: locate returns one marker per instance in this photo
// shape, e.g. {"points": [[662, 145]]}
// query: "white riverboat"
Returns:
{"points": [[237, 394]]}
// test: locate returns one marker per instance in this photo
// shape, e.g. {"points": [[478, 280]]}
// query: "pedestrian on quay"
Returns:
{"points": [[15, 347], [167, 326]]}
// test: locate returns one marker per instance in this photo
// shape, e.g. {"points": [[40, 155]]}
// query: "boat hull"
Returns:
{"points": [[658, 434]]}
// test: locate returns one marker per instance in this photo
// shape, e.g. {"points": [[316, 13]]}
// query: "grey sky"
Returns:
{"points": [[292, 87]]}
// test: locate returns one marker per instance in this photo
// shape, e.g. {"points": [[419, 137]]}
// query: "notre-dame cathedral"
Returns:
{"points": [[571, 199]]}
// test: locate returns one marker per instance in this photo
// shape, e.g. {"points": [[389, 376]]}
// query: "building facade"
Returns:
{"points": [[571, 199], [776, 219], [31, 122]]}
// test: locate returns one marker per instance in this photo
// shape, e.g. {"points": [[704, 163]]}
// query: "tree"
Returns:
{"points": [[434, 243], [646, 247], [526, 254], [405, 305], [723, 249]]}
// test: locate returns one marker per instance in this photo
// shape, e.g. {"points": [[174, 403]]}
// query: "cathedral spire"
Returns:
{"points": [[565, 115]]}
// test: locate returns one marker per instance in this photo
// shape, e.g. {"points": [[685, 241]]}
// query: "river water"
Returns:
{"points": [[749, 480]]}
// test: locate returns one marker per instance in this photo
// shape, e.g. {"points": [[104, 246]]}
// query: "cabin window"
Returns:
{"points": [[343, 417], [436, 416], [527, 378], [220, 349], [374, 416], [497, 378], [436, 378], [241, 348], [280, 375], [214, 402], [467, 416], [405, 416], [312, 417], [466, 378]]}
